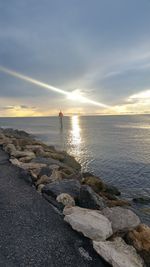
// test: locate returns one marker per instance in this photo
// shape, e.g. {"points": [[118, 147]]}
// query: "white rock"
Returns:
{"points": [[122, 219], [20, 154], [10, 148], [118, 253], [27, 166], [66, 199], [89, 222]]}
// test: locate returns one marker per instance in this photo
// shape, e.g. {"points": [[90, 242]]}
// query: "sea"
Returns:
{"points": [[115, 148]]}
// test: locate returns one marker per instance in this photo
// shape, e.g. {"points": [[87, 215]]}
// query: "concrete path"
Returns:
{"points": [[32, 233]]}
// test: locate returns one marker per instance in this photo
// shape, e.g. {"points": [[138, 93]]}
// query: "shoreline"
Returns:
{"points": [[80, 197]]}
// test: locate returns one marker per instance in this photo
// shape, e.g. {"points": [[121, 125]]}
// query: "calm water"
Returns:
{"points": [[117, 148]]}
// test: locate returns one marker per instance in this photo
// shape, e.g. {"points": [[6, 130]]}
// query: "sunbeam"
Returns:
{"points": [[70, 95]]}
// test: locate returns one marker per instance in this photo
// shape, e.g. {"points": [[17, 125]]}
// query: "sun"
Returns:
{"points": [[76, 95]]}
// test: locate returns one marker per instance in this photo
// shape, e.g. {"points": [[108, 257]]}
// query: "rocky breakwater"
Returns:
{"points": [[90, 206]]}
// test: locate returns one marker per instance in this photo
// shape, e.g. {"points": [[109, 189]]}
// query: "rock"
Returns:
{"points": [[94, 182], [140, 239], [66, 171], [39, 188], [5, 141], [34, 173], [9, 148], [108, 196], [27, 166], [33, 148], [56, 175], [45, 171], [48, 161], [118, 253], [118, 202], [71, 187], [26, 159], [57, 156], [66, 200], [142, 200], [16, 133], [112, 190], [20, 154], [71, 162], [89, 199], [19, 142], [122, 219], [44, 179], [91, 223], [54, 166]]}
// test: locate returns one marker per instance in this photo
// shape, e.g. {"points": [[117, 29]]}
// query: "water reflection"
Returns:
{"points": [[75, 137]]}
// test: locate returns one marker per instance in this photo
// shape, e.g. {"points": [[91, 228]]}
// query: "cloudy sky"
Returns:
{"points": [[98, 49]]}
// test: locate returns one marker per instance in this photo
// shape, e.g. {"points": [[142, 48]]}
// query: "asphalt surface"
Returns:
{"points": [[32, 232]]}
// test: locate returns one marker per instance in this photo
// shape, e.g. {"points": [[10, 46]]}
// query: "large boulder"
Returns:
{"points": [[89, 199], [66, 200], [140, 239], [71, 162], [118, 253], [94, 182], [122, 219], [91, 223], [71, 187]]}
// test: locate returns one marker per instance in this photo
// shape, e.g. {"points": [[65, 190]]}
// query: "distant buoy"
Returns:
{"points": [[61, 119]]}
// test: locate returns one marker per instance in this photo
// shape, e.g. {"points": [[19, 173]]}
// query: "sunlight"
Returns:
{"points": [[76, 138], [75, 95]]}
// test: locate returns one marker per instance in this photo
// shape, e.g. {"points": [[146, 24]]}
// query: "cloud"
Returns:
{"points": [[102, 48]]}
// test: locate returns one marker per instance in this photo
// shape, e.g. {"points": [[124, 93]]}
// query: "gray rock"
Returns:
{"points": [[91, 223], [70, 161], [16, 133], [71, 187], [122, 219], [118, 253], [48, 161], [45, 171], [89, 199]]}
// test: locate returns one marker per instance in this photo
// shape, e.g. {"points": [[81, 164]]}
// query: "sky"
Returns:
{"points": [[94, 49]]}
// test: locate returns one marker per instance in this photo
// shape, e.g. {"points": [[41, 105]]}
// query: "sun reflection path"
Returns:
{"points": [[77, 143], [76, 136]]}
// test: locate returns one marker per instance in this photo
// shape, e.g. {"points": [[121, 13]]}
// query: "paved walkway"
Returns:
{"points": [[32, 233]]}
